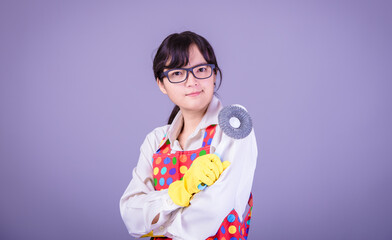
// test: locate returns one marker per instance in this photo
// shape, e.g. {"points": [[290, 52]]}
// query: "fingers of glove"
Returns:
{"points": [[212, 157], [208, 177], [214, 168], [219, 166], [213, 162], [226, 164], [207, 158]]}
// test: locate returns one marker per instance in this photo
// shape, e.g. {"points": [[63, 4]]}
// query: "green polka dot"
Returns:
{"points": [[181, 178], [174, 160], [155, 181], [167, 142], [202, 152]]}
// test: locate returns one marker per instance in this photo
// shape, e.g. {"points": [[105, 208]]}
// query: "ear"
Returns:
{"points": [[161, 86]]}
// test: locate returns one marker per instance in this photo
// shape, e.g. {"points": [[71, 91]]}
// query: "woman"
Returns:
{"points": [[165, 198]]}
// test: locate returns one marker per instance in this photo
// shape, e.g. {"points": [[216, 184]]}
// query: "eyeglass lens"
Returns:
{"points": [[200, 72]]}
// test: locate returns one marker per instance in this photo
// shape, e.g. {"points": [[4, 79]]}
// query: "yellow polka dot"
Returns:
{"points": [[232, 229], [158, 160], [183, 169], [156, 170]]}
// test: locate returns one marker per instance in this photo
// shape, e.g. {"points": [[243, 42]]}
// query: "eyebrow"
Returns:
{"points": [[184, 67]]}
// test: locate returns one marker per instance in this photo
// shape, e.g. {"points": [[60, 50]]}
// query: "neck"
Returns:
{"points": [[191, 120]]}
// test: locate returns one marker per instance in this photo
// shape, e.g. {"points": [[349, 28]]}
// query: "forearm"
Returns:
{"points": [[146, 212]]}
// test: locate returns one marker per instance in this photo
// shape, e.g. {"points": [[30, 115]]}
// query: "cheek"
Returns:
{"points": [[209, 86], [175, 91]]}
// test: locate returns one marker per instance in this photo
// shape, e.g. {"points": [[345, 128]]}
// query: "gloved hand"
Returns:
{"points": [[204, 169]]}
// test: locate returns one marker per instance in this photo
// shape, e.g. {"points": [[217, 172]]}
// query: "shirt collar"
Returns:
{"points": [[209, 118]]}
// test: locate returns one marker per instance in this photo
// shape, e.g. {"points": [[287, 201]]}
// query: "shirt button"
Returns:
{"points": [[161, 228], [169, 202]]}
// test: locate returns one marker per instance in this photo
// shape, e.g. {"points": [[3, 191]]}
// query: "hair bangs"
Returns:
{"points": [[178, 52]]}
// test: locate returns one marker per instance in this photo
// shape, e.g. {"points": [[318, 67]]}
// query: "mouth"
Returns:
{"points": [[193, 94]]}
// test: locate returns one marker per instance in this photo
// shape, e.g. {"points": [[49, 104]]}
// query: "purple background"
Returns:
{"points": [[77, 98]]}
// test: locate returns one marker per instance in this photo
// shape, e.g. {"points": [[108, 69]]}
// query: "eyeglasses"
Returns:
{"points": [[178, 75]]}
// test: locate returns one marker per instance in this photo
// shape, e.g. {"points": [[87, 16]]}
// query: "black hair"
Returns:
{"points": [[176, 48]]}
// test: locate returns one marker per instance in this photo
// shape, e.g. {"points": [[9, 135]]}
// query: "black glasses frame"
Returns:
{"points": [[166, 73]]}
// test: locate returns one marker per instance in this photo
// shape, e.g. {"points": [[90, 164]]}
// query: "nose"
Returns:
{"points": [[191, 80]]}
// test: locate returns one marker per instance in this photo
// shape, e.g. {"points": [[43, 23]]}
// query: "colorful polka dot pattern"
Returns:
{"points": [[208, 136], [232, 228], [168, 168]]}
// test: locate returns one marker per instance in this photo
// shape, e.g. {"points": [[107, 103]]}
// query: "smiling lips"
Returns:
{"points": [[194, 94]]}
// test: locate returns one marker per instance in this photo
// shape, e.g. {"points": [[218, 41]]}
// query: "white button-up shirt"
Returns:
{"points": [[140, 202]]}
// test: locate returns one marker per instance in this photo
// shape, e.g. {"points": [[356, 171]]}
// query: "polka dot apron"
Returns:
{"points": [[170, 167]]}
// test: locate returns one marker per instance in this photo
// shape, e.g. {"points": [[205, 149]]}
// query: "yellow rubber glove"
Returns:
{"points": [[204, 169], [151, 234]]}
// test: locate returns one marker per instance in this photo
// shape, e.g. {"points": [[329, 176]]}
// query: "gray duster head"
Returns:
{"points": [[235, 121]]}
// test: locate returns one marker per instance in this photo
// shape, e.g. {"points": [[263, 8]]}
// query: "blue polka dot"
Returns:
{"points": [[193, 156], [152, 159], [223, 230], [209, 141], [215, 238], [172, 171], [162, 181], [233, 238], [231, 218], [248, 222], [163, 170], [205, 134], [204, 144], [158, 150], [169, 181], [167, 160], [247, 230]]}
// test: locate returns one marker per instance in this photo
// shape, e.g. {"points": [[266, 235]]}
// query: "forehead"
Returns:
{"points": [[195, 57]]}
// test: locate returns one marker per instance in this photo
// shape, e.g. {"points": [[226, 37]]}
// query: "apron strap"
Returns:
{"points": [[209, 135]]}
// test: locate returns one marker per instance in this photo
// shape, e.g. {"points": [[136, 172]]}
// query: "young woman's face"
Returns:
{"points": [[193, 94]]}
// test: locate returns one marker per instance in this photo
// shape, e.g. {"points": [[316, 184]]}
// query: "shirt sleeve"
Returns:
{"points": [[231, 191], [140, 203]]}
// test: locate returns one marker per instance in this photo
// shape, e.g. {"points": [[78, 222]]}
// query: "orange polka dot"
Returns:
{"points": [[158, 160], [212, 132], [165, 150], [232, 229], [183, 169], [223, 238], [183, 158]]}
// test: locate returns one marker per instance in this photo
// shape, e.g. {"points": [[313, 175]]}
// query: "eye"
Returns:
{"points": [[202, 69], [175, 73]]}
